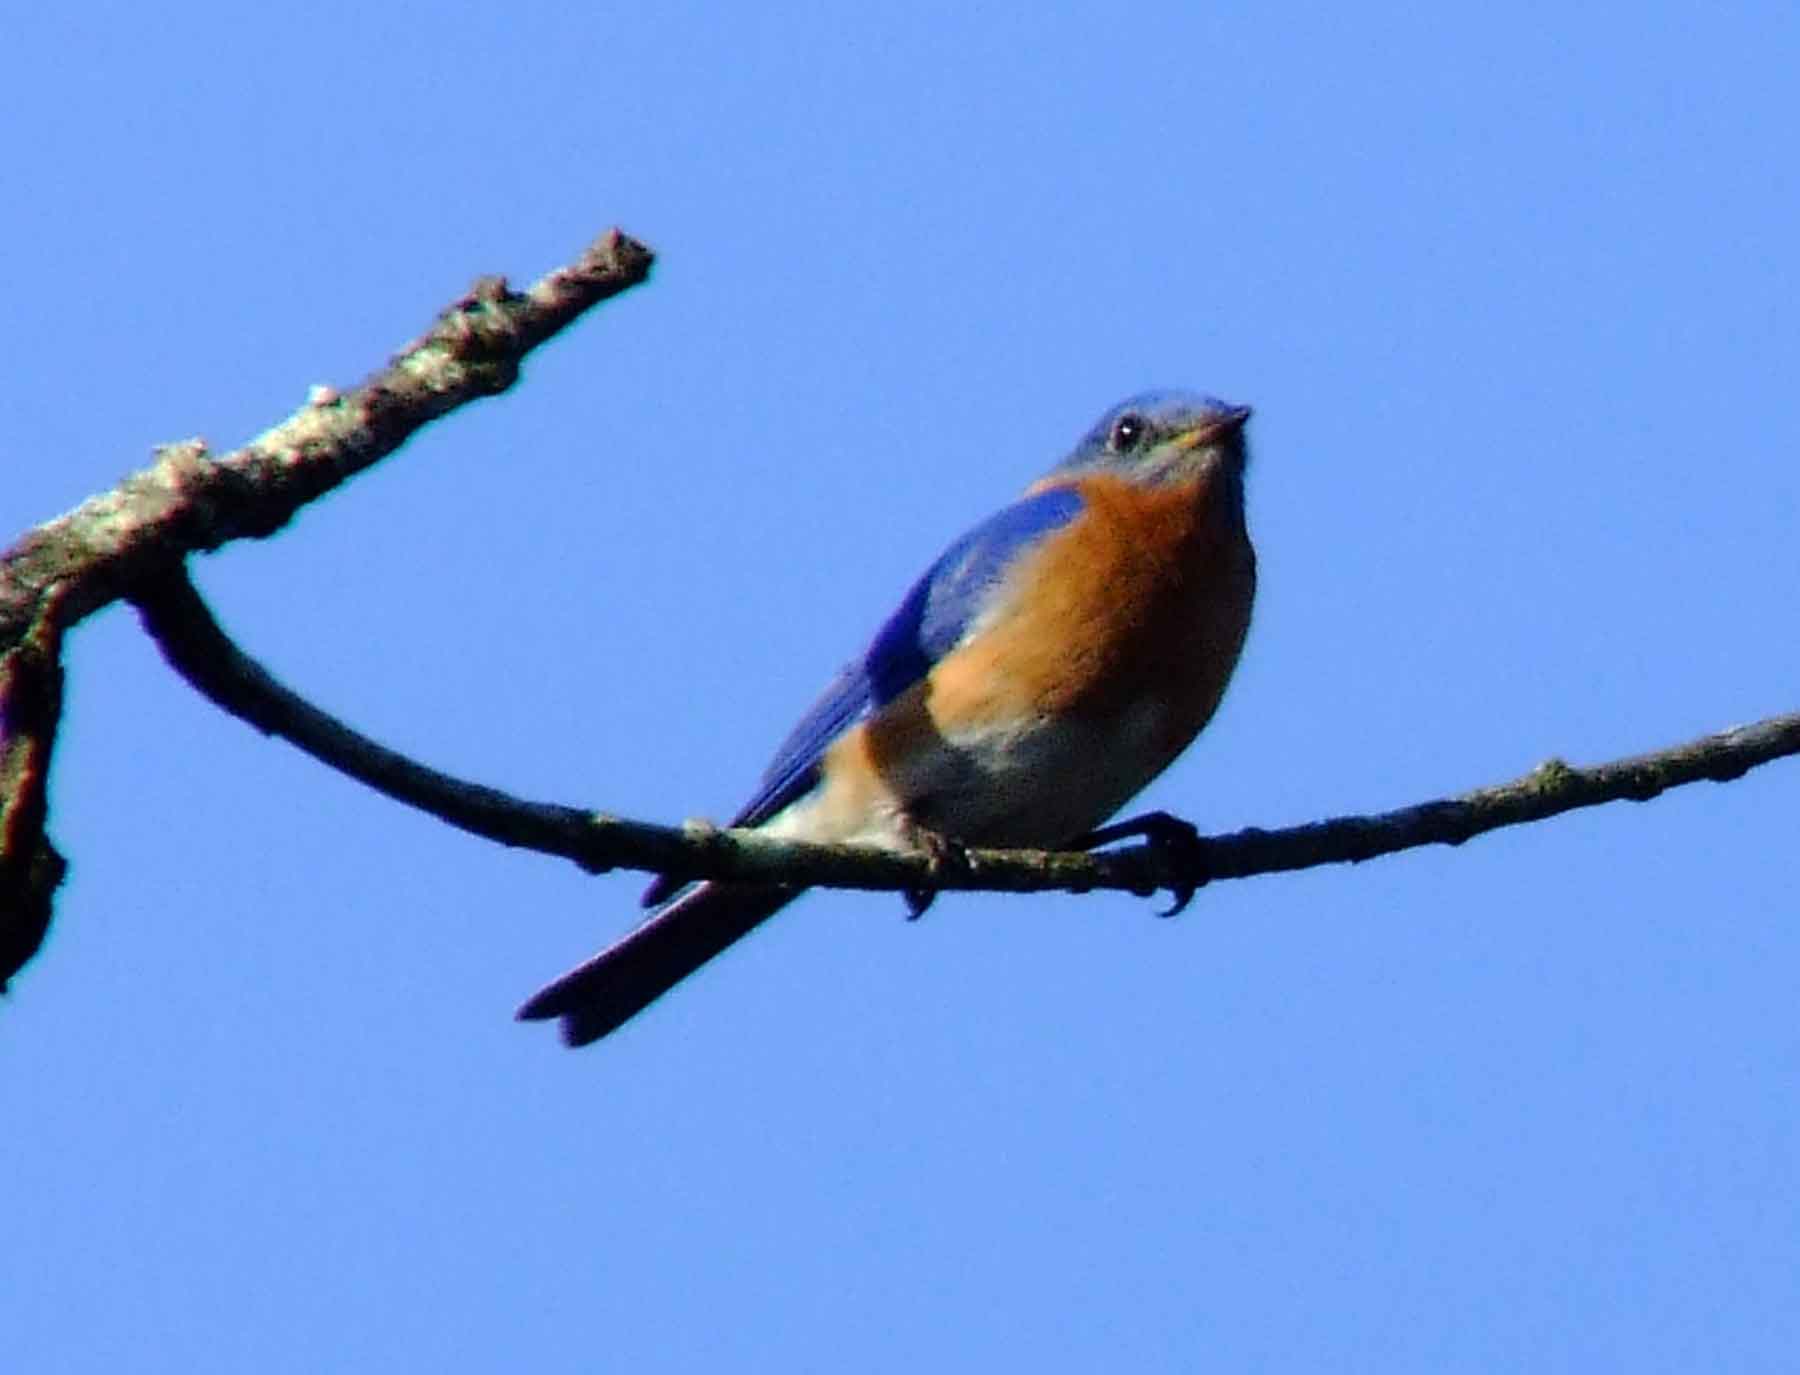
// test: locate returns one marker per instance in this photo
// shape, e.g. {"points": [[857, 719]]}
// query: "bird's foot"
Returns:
{"points": [[1180, 842], [941, 852]]}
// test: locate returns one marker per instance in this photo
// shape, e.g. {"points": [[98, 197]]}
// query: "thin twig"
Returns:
{"points": [[201, 652]]}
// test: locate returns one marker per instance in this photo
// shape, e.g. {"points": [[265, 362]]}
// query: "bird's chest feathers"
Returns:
{"points": [[1128, 622]]}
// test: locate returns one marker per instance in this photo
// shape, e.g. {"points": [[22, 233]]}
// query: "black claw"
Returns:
{"points": [[1182, 897], [1159, 828], [1179, 840], [918, 901]]}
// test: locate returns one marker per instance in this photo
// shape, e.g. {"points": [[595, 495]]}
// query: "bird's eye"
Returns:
{"points": [[1127, 433]]}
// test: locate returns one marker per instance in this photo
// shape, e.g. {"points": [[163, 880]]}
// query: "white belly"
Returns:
{"points": [[1034, 783], [1039, 784]]}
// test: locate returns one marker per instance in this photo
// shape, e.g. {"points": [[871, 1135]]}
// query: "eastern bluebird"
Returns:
{"points": [[1052, 662]]}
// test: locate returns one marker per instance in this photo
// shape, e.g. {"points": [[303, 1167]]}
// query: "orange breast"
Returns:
{"points": [[1136, 611]]}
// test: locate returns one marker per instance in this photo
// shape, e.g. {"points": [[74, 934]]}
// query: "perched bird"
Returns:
{"points": [[1052, 662]]}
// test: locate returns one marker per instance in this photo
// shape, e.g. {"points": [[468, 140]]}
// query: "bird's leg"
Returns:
{"points": [[1180, 841], [941, 852]]}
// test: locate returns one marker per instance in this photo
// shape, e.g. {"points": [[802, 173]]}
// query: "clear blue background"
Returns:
{"points": [[1514, 294]]}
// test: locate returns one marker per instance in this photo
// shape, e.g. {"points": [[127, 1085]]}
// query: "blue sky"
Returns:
{"points": [[1513, 294]]}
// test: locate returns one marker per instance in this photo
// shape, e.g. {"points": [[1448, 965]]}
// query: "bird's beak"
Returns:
{"points": [[1215, 427]]}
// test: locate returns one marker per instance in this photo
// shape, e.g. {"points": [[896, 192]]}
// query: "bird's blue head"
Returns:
{"points": [[1162, 436]]}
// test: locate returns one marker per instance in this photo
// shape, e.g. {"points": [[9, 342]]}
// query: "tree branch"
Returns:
{"points": [[133, 542], [30, 868], [200, 651], [188, 501]]}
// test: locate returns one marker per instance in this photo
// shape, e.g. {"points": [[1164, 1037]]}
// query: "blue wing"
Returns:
{"points": [[929, 623]]}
